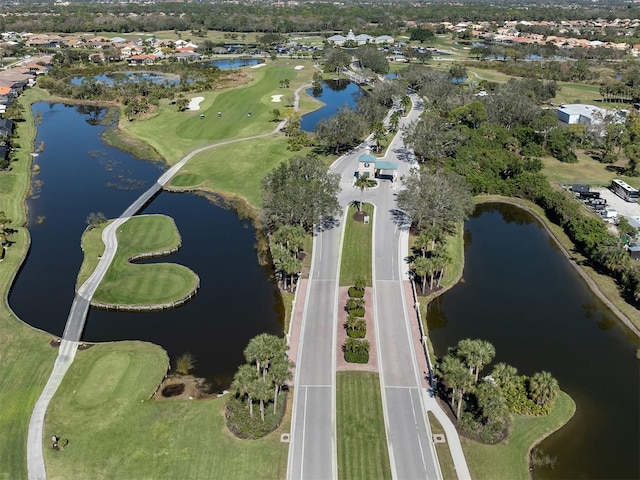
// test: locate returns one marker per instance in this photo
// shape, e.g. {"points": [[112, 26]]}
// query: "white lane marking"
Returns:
{"points": [[304, 427], [415, 420]]}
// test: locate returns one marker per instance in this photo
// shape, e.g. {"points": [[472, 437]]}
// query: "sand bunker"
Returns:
{"points": [[194, 103], [258, 65], [298, 67], [276, 98]]}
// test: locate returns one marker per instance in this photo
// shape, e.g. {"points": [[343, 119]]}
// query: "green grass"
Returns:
{"points": [[510, 458], [443, 451], [116, 431], [362, 445], [586, 171], [126, 283], [357, 248], [173, 134], [25, 355], [236, 169]]}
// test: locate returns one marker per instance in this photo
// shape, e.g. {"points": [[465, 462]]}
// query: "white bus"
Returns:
{"points": [[623, 190]]}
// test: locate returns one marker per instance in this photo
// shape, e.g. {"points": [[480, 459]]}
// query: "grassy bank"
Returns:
{"points": [[357, 248], [442, 449], [126, 283], [362, 445], [25, 355], [510, 458], [116, 431]]}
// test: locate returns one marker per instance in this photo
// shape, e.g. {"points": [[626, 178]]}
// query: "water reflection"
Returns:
{"points": [[526, 299]]}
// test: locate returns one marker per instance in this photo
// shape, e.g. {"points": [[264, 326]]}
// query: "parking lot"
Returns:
{"points": [[614, 202]]}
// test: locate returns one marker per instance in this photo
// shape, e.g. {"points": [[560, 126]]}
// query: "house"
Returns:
{"points": [[141, 59], [6, 127], [187, 56]]}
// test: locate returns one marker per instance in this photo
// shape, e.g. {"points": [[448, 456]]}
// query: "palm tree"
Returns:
{"points": [[406, 104], [379, 135], [290, 236], [362, 182], [504, 375], [457, 376], [262, 391], [243, 382], [279, 373], [476, 354], [422, 266], [394, 121], [543, 388], [262, 349]]}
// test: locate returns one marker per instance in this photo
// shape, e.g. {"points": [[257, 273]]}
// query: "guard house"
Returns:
{"points": [[370, 166]]}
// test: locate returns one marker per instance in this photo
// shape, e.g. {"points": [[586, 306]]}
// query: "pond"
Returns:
{"points": [[78, 175], [112, 78], [334, 94], [235, 63], [520, 293]]}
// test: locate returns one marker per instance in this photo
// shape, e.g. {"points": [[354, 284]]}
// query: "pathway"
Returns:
{"points": [[82, 300]]}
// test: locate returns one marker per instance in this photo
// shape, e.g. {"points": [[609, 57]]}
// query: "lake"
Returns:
{"points": [[112, 78], [235, 63], [78, 175], [520, 293], [334, 94]]}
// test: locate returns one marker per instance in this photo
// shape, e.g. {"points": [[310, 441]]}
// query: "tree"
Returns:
{"points": [[419, 34], [394, 121], [543, 388], [185, 363], [262, 350], [475, 354], [457, 377], [301, 191], [279, 373], [436, 199], [243, 382], [363, 182], [422, 267], [341, 131], [182, 104], [95, 219], [379, 135], [262, 391], [290, 236]]}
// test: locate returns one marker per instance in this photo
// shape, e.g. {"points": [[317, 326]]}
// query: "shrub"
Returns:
{"points": [[353, 357], [355, 292], [354, 303], [356, 312], [356, 327], [243, 426]]}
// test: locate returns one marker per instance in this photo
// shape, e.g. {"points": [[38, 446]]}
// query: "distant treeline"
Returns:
{"points": [[311, 17]]}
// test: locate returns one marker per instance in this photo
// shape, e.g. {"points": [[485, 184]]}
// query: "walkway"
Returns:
{"points": [[82, 300]]}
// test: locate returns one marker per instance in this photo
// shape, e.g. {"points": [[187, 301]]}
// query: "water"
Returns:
{"points": [[235, 63], [458, 81], [521, 294], [80, 175], [112, 78], [335, 94]]}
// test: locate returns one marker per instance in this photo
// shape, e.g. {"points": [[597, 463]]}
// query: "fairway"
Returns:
{"points": [[116, 432], [174, 134], [362, 444], [357, 248], [586, 171], [126, 283]]}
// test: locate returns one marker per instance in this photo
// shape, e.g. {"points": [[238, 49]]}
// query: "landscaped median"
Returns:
{"points": [[128, 286]]}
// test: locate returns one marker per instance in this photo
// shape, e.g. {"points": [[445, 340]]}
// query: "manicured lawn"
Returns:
{"points": [[126, 283], [25, 355], [586, 171], [236, 169], [362, 445], [443, 451], [117, 432], [173, 134], [510, 458], [357, 248]]}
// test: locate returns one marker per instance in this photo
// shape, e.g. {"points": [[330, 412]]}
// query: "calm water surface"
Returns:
{"points": [[235, 63], [520, 293], [79, 174], [335, 94]]}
